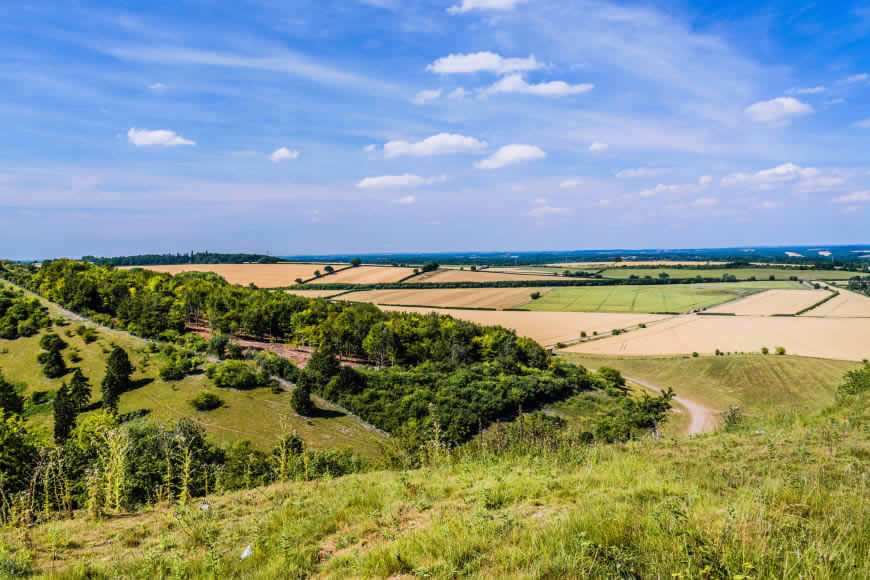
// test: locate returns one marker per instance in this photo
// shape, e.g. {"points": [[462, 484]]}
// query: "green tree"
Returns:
{"points": [[355, 262], [300, 399], [52, 341], [10, 401], [53, 365], [64, 414], [117, 379], [323, 365], [80, 390], [328, 269], [16, 452]]}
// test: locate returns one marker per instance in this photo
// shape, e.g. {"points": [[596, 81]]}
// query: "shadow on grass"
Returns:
{"points": [[133, 415], [318, 413]]}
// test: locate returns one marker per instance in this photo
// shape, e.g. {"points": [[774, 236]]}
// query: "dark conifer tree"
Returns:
{"points": [[117, 379], [64, 414], [80, 390], [10, 401]]}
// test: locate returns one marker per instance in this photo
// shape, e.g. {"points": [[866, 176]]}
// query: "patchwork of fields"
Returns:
{"points": [[447, 297], [368, 275], [675, 298], [453, 275], [262, 275]]}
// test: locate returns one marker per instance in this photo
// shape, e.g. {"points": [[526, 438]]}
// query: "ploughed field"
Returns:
{"points": [[262, 275], [836, 338], [675, 298], [547, 328]]}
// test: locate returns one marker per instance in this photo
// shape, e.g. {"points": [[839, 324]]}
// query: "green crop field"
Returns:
{"points": [[740, 273], [257, 415], [647, 298], [756, 383]]}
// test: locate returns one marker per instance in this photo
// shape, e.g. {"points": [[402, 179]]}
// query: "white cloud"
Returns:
{"points": [[393, 181], [642, 172], [603, 202], [853, 197], [426, 96], [863, 124], [778, 109], [493, 5], [157, 87], [458, 94], [510, 154], [146, 138], [661, 188], [706, 201], [705, 180], [516, 84], [440, 144], [370, 148], [597, 147], [568, 183], [807, 178], [482, 61], [768, 204], [547, 210], [809, 90], [859, 78], [283, 154], [405, 200]]}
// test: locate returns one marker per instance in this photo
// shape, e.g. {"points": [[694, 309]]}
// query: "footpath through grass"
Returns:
{"points": [[779, 497], [647, 298], [756, 383]]}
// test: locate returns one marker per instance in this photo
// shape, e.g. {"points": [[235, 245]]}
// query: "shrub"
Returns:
{"points": [[732, 418], [234, 351], [206, 401], [232, 374], [780, 350], [582, 334], [51, 342], [535, 295], [694, 355], [87, 333], [74, 356], [765, 350]]}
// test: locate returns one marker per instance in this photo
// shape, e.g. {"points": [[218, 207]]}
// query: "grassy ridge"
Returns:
{"points": [[778, 498], [756, 383], [655, 298]]}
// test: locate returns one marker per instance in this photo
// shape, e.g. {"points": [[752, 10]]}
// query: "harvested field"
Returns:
{"points": [[662, 263], [547, 328], [645, 298], [447, 297], [315, 293], [740, 273], [773, 302], [263, 275], [836, 338], [847, 304], [478, 276], [368, 275]]}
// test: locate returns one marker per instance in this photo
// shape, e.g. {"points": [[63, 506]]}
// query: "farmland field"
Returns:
{"points": [[645, 298], [453, 275], [447, 297], [659, 263], [367, 275], [547, 328], [262, 275], [774, 302], [834, 338], [315, 293], [740, 273], [847, 304], [756, 383]]}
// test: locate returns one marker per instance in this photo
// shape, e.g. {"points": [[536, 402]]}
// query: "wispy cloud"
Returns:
{"points": [[283, 154], [426, 96], [440, 144], [541, 211], [642, 172], [853, 197], [516, 84], [510, 154], [408, 199], [160, 137], [806, 178], [777, 110], [598, 147], [484, 5], [395, 181], [482, 62]]}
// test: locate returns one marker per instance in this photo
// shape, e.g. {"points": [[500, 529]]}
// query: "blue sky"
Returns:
{"points": [[305, 127]]}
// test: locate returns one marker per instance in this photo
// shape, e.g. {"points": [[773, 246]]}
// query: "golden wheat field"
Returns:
{"points": [[453, 275], [836, 338], [772, 302], [263, 275], [847, 304], [448, 297], [547, 328], [368, 275]]}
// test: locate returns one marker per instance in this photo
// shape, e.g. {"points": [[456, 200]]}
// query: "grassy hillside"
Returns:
{"points": [[652, 298], [257, 415], [756, 383], [779, 497]]}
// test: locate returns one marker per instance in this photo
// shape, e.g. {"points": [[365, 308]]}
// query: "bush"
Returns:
{"points": [[694, 355], [87, 333], [582, 334], [206, 401], [780, 350], [52, 341], [765, 350], [535, 295], [232, 374]]}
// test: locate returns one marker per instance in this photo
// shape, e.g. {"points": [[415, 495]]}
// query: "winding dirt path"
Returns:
{"points": [[701, 418]]}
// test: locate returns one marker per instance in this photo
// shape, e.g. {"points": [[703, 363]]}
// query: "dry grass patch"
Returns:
{"points": [[547, 328], [836, 338], [448, 297], [773, 302], [369, 275], [262, 275]]}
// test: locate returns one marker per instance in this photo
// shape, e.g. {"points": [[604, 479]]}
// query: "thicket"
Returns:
{"points": [[20, 315], [859, 284]]}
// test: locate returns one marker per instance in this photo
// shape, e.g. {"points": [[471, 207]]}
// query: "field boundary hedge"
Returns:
{"points": [[833, 295]]}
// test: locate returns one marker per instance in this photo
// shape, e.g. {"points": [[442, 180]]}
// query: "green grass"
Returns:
{"points": [[257, 415], [741, 273], [756, 383], [646, 298], [782, 497]]}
